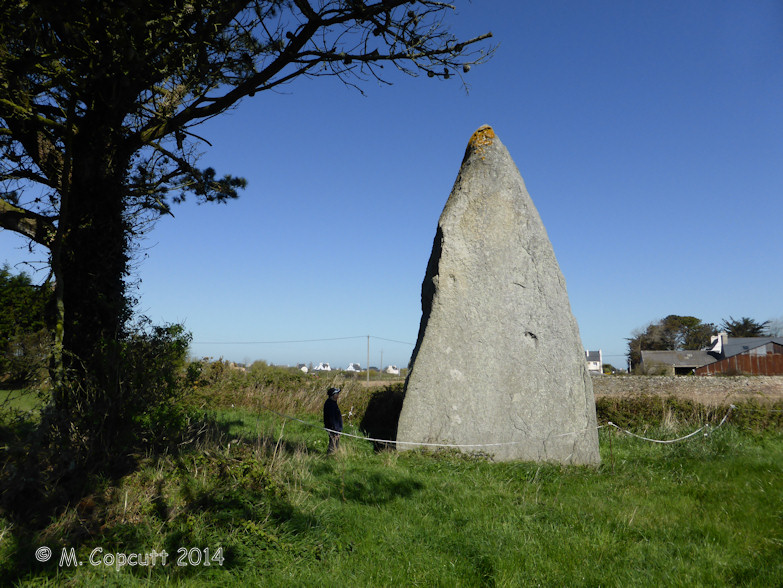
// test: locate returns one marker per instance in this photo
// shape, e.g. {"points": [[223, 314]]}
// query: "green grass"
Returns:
{"points": [[706, 512], [20, 400]]}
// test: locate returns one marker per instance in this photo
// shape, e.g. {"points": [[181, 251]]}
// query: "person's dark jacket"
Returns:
{"points": [[333, 418]]}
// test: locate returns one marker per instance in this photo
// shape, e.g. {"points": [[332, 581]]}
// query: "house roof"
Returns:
{"points": [[736, 345], [687, 358], [593, 355]]}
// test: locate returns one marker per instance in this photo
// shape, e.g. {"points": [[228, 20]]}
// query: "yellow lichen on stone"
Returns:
{"points": [[482, 138]]}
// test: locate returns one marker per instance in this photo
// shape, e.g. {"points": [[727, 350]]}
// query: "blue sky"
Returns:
{"points": [[649, 135]]}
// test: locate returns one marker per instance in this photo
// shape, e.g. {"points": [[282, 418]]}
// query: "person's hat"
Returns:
{"points": [[333, 391]]}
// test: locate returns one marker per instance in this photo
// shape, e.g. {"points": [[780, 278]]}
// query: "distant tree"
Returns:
{"points": [[22, 323], [672, 332], [98, 104], [692, 333], [744, 327]]}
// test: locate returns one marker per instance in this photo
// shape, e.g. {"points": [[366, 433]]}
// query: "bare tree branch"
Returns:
{"points": [[301, 51]]}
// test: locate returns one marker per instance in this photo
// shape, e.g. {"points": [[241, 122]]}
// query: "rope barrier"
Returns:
{"points": [[421, 443], [480, 445], [666, 441], [456, 445]]}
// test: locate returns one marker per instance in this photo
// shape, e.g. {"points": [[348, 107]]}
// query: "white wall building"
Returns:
{"points": [[595, 362]]}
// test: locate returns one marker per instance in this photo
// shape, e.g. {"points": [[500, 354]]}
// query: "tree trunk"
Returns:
{"points": [[90, 262]]}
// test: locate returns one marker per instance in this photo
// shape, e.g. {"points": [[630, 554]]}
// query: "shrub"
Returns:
{"points": [[27, 357], [647, 411], [91, 425]]}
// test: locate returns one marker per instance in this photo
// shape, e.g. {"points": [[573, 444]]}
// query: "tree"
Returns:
{"points": [[744, 327], [22, 325], [98, 103], [672, 332]]}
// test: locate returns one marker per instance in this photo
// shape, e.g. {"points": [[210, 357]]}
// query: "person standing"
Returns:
{"points": [[333, 419]]}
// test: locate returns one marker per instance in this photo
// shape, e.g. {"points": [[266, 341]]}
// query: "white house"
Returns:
{"points": [[392, 369], [354, 367], [595, 362], [322, 367]]}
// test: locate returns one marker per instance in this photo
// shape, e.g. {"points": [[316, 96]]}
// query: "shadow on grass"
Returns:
{"points": [[215, 490], [44, 494], [377, 488], [247, 515], [335, 479]]}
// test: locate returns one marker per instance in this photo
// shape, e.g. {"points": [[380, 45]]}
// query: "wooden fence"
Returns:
{"points": [[770, 364]]}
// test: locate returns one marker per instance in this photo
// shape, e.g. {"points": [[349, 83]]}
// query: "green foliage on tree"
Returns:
{"points": [[670, 333], [99, 104], [24, 339], [744, 327]]}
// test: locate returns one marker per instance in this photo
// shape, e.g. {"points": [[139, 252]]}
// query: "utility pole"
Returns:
{"points": [[368, 358]]}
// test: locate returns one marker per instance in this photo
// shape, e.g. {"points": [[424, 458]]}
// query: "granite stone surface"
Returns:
{"points": [[498, 366]]}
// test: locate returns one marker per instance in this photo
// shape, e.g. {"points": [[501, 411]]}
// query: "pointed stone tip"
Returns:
{"points": [[482, 138]]}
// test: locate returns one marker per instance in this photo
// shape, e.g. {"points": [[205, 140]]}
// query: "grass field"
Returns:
{"points": [[272, 510], [20, 400]]}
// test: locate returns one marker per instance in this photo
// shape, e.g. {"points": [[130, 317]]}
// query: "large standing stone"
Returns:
{"points": [[498, 359]]}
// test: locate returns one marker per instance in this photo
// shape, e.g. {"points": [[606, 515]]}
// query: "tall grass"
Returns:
{"points": [[260, 487]]}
